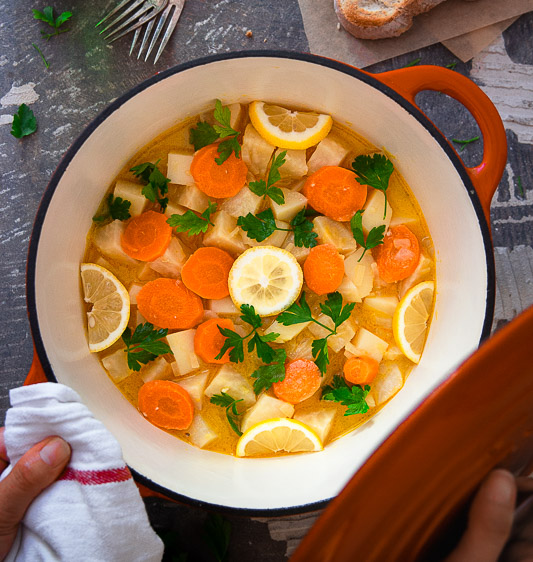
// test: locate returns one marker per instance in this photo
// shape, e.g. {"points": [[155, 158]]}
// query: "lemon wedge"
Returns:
{"points": [[110, 311], [410, 322], [289, 129], [266, 277], [278, 435]]}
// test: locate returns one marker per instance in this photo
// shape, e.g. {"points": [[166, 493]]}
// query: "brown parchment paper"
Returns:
{"points": [[450, 19]]}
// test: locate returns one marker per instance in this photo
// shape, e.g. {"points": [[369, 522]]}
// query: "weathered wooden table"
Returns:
{"points": [[85, 75]]}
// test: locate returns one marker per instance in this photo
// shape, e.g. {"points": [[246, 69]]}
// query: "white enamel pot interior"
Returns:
{"points": [[465, 283]]}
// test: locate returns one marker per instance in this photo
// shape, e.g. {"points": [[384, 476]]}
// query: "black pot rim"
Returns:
{"points": [[115, 105]]}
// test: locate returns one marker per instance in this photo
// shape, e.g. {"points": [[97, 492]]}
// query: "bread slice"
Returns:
{"points": [[379, 19]]}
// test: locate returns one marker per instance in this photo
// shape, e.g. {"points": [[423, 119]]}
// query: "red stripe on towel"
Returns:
{"points": [[95, 477]]}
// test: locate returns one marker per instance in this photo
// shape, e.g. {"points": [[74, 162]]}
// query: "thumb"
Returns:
{"points": [[36, 469], [490, 520]]}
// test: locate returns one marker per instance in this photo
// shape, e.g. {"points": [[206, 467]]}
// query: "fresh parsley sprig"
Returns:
{"points": [[266, 375], [232, 413], [268, 189], [374, 171], [24, 122], [205, 134], [47, 15], [156, 183], [144, 345], [463, 143], [235, 342], [374, 238], [191, 223], [259, 227], [333, 308], [117, 209], [353, 398]]}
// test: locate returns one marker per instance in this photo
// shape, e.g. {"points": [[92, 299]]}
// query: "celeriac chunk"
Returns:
{"points": [[133, 291], [195, 386], [116, 364], [191, 197], [320, 420], [276, 239], [295, 165], [223, 306], [345, 332], [178, 169], [286, 333], [131, 192], [419, 274], [336, 233], [231, 382], [225, 234], [374, 210], [157, 369], [256, 151], [182, 346], [200, 433], [266, 408], [294, 203], [329, 152], [366, 343], [107, 240], [246, 201], [360, 273], [299, 252], [387, 383], [381, 304], [172, 261]]}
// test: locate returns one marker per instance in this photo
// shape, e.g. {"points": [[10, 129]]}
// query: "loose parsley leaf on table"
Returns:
{"points": [[47, 15], [374, 171], [266, 375], [144, 345], [463, 143], [332, 308], [235, 342], [232, 414], [24, 122], [268, 189], [374, 238], [205, 134], [192, 223], [156, 183], [353, 398], [259, 227], [217, 533], [46, 63], [117, 209]]}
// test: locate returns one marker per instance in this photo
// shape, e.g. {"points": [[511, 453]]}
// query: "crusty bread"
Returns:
{"points": [[378, 19]]}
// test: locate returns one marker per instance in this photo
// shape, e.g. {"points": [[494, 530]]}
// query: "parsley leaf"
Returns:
{"points": [[156, 183], [353, 398], [117, 209], [24, 122], [374, 238], [232, 413], [268, 189], [333, 308], [259, 227], [206, 134], [144, 345], [46, 63], [191, 223], [235, 342], [463, 143], [266, 375], [217, 533], [374, 171], [47, 15]]}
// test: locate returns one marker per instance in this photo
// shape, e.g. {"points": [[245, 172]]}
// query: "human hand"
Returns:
{"points": [[495, 531], [37, 469]]}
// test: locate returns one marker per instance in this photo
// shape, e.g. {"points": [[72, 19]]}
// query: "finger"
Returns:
{"points": [[4, 460], [490, 520], [37, 469]]}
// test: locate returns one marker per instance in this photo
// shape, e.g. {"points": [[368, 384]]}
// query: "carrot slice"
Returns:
{"points": [[360, 370], [208, 340], [206, 272], [224, 180], [147, 236], [167, 303], [324, 269], [302, 380], [166, 404], [335, 192], [399, 254]]}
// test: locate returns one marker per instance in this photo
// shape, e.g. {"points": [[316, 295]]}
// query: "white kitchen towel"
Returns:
{"points": [[94, 511]]}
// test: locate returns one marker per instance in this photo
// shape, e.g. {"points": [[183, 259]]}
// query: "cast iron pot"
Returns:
{"points": [[455, 201]]}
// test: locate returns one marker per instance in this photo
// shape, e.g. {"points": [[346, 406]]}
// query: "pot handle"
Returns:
{"points": [[486, 176], [36, 372]]}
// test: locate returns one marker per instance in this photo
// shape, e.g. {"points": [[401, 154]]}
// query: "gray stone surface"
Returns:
{"points": [[85, 75]]}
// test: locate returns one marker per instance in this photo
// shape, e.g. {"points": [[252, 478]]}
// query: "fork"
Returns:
{"points": [[148, 9], [175, 7]]}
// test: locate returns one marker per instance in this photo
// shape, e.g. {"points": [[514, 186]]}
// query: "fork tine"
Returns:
{"points": [[172, 24], [134, 5], [131, 20], [112, 12], [162, 19], [135, 37], [149, 27]]}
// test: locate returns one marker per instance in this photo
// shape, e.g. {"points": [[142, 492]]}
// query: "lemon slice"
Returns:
{"points": [[278, 435], [289, 129], [268, 278], [410, 322], [110, 311]]}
